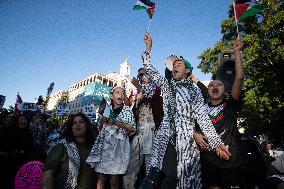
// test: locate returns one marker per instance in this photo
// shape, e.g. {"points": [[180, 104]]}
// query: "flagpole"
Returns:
{"points": [[234, 5], [148, 28]]}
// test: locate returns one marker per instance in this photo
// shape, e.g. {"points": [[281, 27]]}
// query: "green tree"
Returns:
{"points": [[263, 56], [64, 99], [49, 91]]}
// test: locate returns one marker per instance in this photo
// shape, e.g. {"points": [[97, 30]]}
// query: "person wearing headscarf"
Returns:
{"points": [[110, 154], [65, 165]]}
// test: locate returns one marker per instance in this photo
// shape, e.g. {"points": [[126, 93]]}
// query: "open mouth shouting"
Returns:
{"points": [[176, 75], [215, 91]]}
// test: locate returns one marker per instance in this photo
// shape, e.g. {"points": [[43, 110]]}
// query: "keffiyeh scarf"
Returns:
{"points": [[74, 164]]}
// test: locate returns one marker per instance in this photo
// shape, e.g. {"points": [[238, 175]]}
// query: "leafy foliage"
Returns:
{"points": [[49, 91], [64, 99]]}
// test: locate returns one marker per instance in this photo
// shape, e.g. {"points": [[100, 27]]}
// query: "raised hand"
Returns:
{"points": [[148, 41], [135, 82], [193, 78], [238, 44]]}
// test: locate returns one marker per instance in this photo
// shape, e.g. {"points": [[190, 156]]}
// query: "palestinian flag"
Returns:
{"points": [[145, 4], [246, 8], [18, 104]]}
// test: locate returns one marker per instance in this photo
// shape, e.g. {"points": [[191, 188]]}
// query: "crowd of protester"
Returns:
{"points": [[170, 134]]}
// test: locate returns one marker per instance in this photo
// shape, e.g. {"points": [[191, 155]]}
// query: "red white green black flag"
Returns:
{"points": [[147, 5], [18, 104], [246, 8]]}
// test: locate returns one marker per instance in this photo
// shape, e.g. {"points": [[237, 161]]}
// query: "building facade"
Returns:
{"points": [[123, 77], [76, 91], [91, 90], [53, 99]]}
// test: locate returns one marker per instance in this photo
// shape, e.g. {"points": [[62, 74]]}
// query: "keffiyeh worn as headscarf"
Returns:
{"points": [[113, 89]]}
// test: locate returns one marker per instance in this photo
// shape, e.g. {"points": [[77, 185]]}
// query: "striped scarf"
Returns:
{"points": [[74, 164]]}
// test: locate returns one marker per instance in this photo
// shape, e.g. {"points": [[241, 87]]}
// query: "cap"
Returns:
{"points": [[172, 58]]}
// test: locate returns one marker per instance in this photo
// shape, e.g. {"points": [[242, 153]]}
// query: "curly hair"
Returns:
{"points": [[68, 134]]}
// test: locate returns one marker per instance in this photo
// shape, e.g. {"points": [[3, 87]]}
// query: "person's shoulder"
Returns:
{"points": [[127, 108], [8, 129], [56, 150], [127, 112], [59, 146]]}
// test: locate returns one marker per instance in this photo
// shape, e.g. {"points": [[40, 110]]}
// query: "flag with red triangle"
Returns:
{"points": [[18, 104], [246, 8], [147, 5]]}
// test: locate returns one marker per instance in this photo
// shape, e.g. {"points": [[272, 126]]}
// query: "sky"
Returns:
{"points": [[44, 41]]}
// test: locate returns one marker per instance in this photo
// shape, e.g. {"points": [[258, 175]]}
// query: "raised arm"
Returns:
{"points": [[236, 88], [201, 86], [155, 76]]}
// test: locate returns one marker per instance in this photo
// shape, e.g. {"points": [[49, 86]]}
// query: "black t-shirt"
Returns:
{"points": [[224, 119]]}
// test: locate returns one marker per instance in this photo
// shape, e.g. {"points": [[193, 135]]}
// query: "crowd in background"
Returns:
{"points": [[168, 134]]}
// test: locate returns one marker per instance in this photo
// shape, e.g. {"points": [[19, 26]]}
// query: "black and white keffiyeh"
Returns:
{"points": [[148, 90], [74, 164], [182, 103]]}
